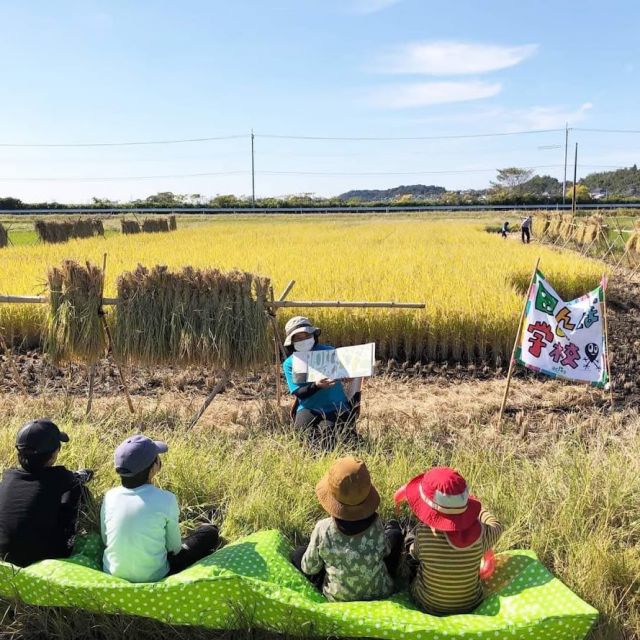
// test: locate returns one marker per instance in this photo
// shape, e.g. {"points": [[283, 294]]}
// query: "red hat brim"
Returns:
{"points": [[437, 520]]}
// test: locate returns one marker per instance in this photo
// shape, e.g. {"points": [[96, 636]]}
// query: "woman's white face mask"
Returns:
{"points": [[304, 345]]}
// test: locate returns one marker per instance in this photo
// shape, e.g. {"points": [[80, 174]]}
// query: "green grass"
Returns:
{"points": [[573, 500]]}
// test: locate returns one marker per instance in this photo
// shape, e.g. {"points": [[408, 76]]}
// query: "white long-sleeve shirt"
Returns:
{"points": [[139, 527]]}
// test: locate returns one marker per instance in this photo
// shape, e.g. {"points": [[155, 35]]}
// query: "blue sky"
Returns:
{"points": [[89, 71]]}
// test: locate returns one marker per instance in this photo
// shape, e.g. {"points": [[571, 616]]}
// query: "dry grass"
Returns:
{"points": [[564, 476]]}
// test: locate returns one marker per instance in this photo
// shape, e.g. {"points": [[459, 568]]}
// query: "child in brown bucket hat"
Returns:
{"points": [[351, 554]]}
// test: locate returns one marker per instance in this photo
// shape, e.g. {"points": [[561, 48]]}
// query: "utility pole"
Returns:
{"points": [[566, 144], [575, 178], [253, 173]]}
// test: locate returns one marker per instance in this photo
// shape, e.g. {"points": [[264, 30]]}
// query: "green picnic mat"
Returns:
{"points": [[252, 582]]}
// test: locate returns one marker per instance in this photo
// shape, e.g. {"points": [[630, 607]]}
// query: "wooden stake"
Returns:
{"points": [[107, 331], [286, 291], [515, 346], [606, 339], [14, 367], [92, 376], [222, 383], [276, 361]]}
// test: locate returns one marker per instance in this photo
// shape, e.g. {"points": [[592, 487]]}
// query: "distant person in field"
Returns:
{"points": [[450, 540], [40, 502], [322, 409], [352, 555], [139, 522], [525, 229], [505, 229]]}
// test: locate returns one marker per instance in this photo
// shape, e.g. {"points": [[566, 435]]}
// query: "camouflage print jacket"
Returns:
{"points": [[355, 568]]}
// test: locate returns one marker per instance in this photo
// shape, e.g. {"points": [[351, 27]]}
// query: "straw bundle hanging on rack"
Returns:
{"points": [[633, 243], [553, 230], [193, 316], [62, 231], [74, 329], [4, 236], [567, 226], [130, 226], [592, 230], [155, 225], [543, 220]]}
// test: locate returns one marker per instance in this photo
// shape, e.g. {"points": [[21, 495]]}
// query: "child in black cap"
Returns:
{"points": [[39, 503]]}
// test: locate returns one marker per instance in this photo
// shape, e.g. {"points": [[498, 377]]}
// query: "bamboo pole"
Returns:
{"points": [[92, 377], [276, 360], [222, 383], [347, 305], [515, 346], [92, 367], [286, 291], [606, 336], [107, 331], [277, 304]]}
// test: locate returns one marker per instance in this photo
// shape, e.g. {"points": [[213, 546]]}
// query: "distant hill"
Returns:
{"points": [[415, 191], [622, 182]]}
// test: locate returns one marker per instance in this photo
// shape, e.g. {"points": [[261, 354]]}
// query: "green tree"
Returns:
{"points": [[512, 178]]}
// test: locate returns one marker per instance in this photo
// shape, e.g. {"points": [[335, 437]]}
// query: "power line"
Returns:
{"points": [[391, 138], [125, 178], [605, 130], [117, 144], [284, 172]]}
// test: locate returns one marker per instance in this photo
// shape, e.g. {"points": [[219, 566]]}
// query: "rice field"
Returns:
{"points": [[472, 282]]}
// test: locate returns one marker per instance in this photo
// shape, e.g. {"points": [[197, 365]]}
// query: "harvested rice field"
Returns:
{"points": [[472, 282]]}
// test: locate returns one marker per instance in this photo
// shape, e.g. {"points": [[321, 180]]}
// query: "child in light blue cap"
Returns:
{"points": [[139, 521]]}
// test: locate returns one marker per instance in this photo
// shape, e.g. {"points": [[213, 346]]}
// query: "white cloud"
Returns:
{"points": [[422, 94], [508, 119], [364, 7], [548, 117], [446, 57]]}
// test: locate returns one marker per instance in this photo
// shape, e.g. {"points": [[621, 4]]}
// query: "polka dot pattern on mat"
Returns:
{"points": [[252, 582]]}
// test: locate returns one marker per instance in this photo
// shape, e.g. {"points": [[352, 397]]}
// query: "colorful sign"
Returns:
{"points": [[564, 339]]}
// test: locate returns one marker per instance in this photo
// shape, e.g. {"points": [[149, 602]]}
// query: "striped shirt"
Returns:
{"points": [[448, 579]]}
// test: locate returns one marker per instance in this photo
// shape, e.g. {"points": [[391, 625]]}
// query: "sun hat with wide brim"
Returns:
{"points": [[298, 324], [346, 492], [441, 500]]}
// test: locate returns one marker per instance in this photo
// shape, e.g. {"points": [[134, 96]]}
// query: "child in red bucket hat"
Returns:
{"points": [[453, 533]]}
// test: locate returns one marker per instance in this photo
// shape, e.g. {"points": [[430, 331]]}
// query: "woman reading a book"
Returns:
{"points": [[325, 410]]}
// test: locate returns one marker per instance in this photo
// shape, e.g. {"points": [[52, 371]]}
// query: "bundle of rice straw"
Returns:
{"points": [[155, 225], [4, 236], [74, 330], [633, 243], [193, 316], [567, 226], [592, 230], [62, 231], [173, 225], [543, 220], [130, 226], [555, 220]]}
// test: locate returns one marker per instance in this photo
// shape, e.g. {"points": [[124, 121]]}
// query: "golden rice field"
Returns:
{"points": [[472, 282]]}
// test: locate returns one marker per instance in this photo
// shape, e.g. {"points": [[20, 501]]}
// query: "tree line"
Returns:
{"points": [[512, 185]]}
